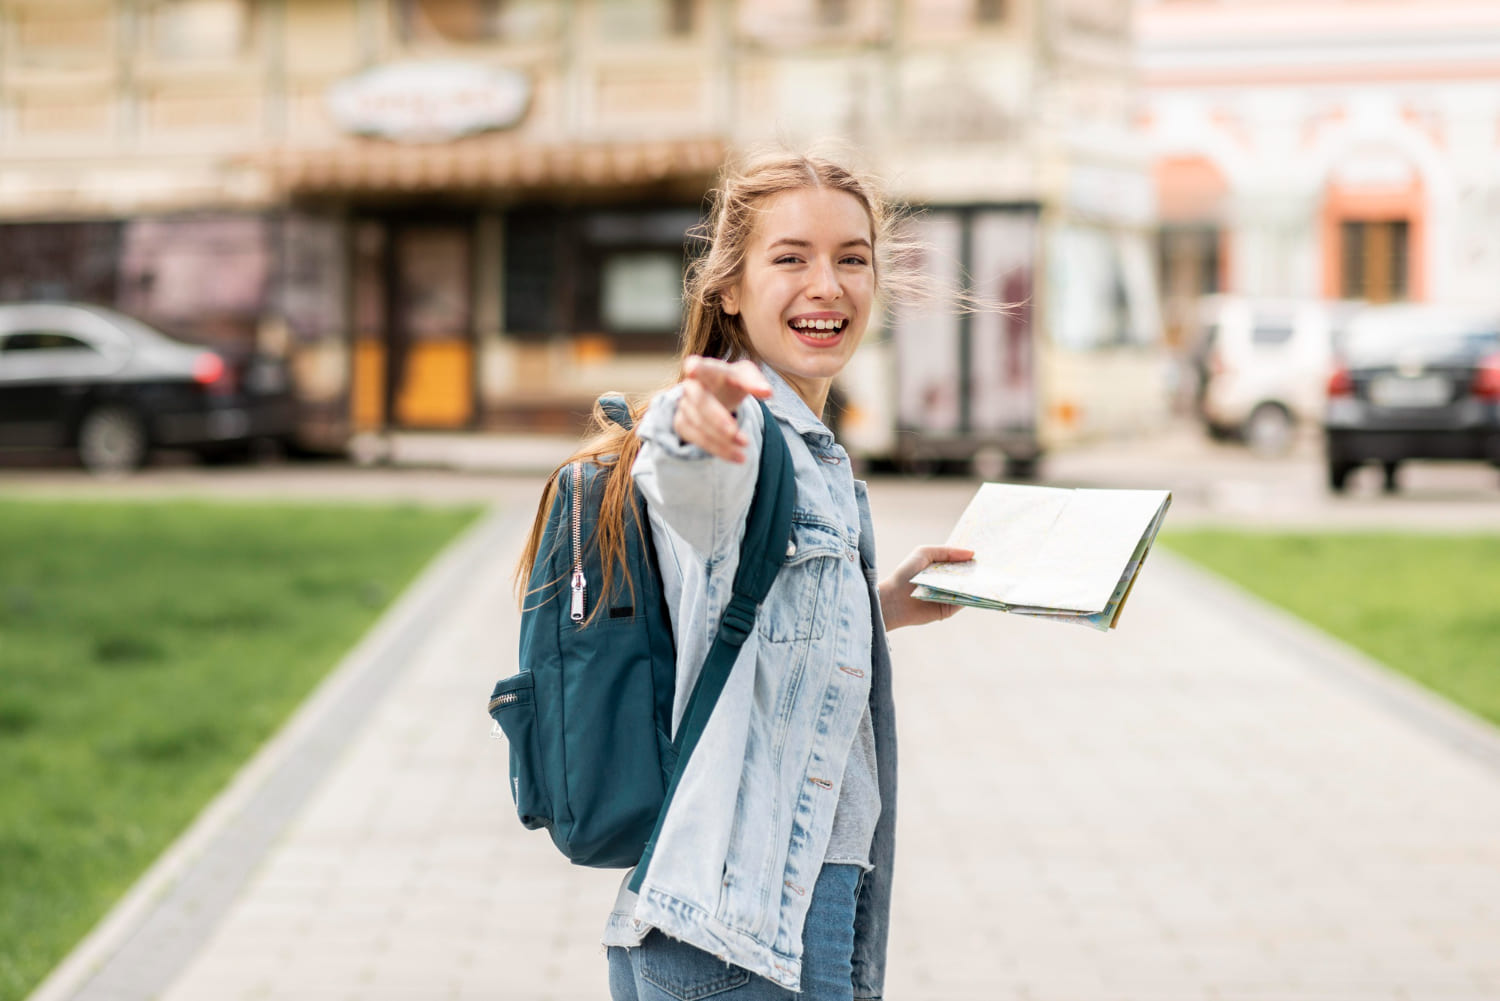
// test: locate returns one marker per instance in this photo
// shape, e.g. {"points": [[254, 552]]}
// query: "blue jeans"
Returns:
{"points": [[664, 969]]}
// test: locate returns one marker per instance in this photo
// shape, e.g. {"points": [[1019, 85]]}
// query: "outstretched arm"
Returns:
{"points": [[898, 607], [684, 433]]}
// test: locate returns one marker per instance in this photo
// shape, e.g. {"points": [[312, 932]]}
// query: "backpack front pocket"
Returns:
{"points": [[514, 708]]}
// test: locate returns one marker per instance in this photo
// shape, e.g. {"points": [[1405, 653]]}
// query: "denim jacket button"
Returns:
{"points": [[791, 549]]}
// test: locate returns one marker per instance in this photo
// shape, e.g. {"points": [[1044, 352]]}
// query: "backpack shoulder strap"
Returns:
{"points": [[768, 528], [617, 410]]}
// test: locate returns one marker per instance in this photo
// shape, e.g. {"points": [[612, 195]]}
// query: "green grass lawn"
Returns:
{"points": [[1426, 605], [146, 650]]}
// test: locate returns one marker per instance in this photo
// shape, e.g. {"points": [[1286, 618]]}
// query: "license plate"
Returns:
{"points": [[1421, 391]]}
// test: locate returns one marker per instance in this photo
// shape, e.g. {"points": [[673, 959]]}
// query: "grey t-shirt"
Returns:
{"points": [[859, 801], [859, 796]]}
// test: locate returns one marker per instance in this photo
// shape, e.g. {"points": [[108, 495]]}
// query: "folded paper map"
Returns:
{"points": [[1071, 555]]}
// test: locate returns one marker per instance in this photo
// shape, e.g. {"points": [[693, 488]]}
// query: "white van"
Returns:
{"points": [[1264, 365]]}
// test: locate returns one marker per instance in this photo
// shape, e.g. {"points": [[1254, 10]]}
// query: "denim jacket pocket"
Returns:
{"points": [[796, 608]]}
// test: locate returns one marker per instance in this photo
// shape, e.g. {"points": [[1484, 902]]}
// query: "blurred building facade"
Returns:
{"points": [[1333, 148], [472, 213]]}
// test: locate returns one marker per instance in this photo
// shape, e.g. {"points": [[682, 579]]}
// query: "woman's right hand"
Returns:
{"points": [[711, 396]]}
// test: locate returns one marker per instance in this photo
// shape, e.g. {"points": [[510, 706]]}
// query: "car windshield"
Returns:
{"points": [[1378, 337]]}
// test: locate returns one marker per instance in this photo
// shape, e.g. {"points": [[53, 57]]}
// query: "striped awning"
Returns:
{"points": [[486, 162]]}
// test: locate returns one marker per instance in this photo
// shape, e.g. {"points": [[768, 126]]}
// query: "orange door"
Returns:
{"points": [[413, 354]]}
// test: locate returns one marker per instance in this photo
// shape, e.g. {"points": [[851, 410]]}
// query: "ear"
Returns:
{"points": [[729, 300]]}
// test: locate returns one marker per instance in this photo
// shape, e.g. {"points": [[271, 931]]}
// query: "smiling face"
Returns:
{"points": [[805, 291]]}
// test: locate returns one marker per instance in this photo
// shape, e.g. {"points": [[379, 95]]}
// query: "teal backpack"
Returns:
{"points": [[588, 717]]}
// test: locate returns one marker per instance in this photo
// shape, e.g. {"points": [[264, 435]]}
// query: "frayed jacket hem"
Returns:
{"points": [[681, 920]]}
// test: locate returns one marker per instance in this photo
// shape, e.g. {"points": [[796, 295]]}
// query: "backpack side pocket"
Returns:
{"points": [[513, 706]]}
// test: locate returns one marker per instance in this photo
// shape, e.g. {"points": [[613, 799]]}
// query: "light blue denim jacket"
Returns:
{"points": [[742, 845]]}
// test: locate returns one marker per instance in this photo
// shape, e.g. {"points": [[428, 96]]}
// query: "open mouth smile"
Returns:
{"points": [[818, 330]]}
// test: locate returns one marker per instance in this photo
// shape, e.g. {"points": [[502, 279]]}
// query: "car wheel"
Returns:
{"points": [[1022, 467], [112, 440], [988, 463], [1269, 430], [1338, 475]]}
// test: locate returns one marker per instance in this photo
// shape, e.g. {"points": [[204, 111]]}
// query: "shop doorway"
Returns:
{"points": [[413, 357]]}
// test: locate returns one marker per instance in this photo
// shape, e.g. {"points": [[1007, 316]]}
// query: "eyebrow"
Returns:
{"points": [[793, 242]]}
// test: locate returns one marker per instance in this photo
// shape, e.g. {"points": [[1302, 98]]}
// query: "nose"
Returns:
{"points": [[823, 282]]}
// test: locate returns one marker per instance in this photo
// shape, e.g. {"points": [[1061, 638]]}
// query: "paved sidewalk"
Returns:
{"points": [[1209, 804]]}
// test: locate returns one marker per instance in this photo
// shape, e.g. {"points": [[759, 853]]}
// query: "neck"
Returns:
{"points": [[814, 392]]}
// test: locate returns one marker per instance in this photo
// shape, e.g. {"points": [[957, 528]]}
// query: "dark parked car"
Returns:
{"points": [[85, 377], [1414, 382]]}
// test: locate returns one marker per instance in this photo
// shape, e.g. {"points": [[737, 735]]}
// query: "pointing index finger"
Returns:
{"points": [[747, 376]]}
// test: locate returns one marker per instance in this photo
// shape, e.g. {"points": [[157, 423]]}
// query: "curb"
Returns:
{"points": [[143, 943]]}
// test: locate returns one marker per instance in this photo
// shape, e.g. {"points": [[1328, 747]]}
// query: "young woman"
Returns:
{"points": [[771, 874]]}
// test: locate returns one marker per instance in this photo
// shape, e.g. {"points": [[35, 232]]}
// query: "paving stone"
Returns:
{"points": [[1192, 807]]}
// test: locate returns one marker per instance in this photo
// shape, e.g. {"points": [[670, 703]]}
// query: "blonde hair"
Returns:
{"points": [[735, 204]]}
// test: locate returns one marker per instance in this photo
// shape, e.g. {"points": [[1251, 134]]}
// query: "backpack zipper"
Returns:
{"points": [[503, 699], [579, 584]]}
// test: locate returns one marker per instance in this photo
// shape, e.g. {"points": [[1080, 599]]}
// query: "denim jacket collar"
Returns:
{"points": [[794, 411]]}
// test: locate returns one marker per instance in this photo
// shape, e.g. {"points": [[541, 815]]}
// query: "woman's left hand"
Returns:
{"points": [[897, 605]]}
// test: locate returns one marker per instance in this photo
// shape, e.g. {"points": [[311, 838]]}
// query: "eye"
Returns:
{"points": [[855, 260], [788, 259]]}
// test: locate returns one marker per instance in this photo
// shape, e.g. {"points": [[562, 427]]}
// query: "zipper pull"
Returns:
{"points": [[578, 586]]}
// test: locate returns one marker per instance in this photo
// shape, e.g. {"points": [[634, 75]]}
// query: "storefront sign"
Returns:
{"points": [[429, 101]]}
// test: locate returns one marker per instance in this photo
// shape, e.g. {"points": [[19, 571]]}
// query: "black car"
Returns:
{"points": [[85, 377], [1414, 382]]}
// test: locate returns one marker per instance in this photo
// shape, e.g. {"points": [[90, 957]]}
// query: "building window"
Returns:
{"points": [[536, 300], [206, 277], [1189, 261], [631, 20], [640, 292], [429, 22], [612, 272], [832, 13], [57, 36], [200, 30], [1104, 296], [989, 11], [64, 260], [451, 20], [1375, 260]]}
